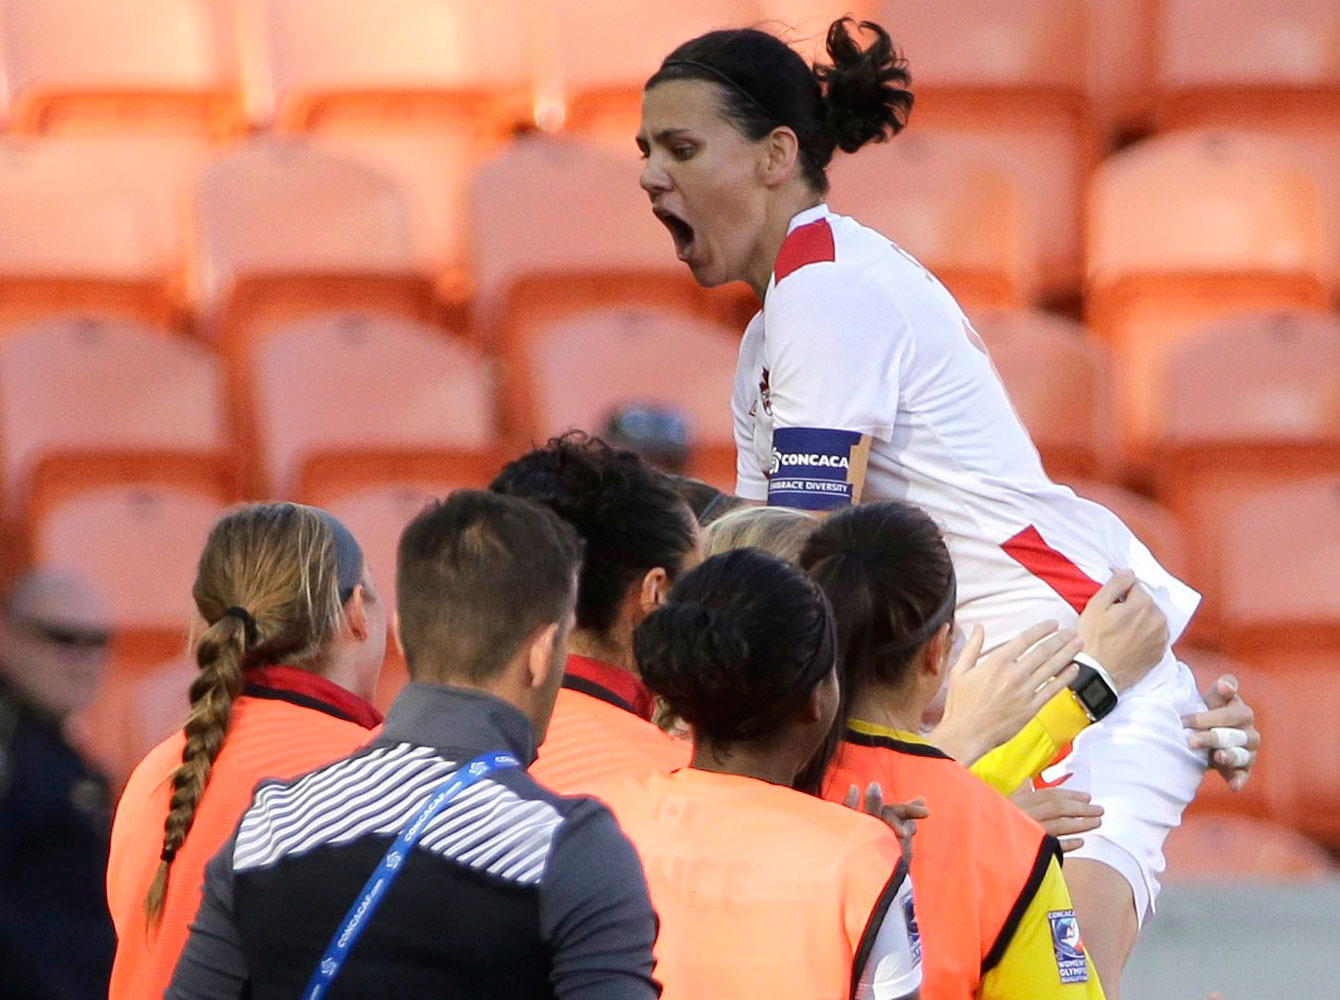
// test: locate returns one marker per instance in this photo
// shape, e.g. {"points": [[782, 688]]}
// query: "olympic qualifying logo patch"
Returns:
{"points": [[1069, 948]]}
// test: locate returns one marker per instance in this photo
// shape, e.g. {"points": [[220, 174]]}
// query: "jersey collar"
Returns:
{"points": [[871, 734], [610, 684], [819, 211], [302, 687]]}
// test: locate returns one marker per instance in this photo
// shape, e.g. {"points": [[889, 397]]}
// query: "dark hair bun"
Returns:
{"points": [[865, 90], [694, 658]]}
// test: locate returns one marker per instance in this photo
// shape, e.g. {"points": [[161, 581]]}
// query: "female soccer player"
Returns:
{"points": [[861, 378], [295, 637], [762, 890]]}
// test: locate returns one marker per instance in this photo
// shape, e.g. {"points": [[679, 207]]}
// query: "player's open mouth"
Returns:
{"points": [[680, 231]]}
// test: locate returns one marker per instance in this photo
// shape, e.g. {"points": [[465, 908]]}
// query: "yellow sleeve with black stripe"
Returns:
{"points": [[1039, 962], [1035, 746]]}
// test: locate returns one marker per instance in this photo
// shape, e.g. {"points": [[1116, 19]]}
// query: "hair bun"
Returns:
{"points": [[686, 650], [865, 90]]}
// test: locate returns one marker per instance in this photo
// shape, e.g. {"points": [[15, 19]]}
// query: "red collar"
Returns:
{"points": [[302, 687], [609, 683]]}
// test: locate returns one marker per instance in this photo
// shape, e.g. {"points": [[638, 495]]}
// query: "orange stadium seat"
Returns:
{"points": [[139, 542], [560, 225], [363, 382], [938, 196], [1224, 63], [1152, 524], [85, 396], [143, 699], [128, 66], [1014, 71], [1188, 227], [93, 225], [1059, 380], [1281, 591], [592, 58], [1219, 848], [1270, 792], [574, 371], [1227, 435], [466, 61], [286, 229]]}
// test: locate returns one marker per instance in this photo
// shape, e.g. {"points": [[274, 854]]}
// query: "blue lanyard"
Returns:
{"points": [[392, 863]]}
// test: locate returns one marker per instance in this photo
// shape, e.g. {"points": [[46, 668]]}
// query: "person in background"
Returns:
{"points": [[56, 938], [779, 531], [293, 638], [639, 538], [762, 890], [508, 891]]}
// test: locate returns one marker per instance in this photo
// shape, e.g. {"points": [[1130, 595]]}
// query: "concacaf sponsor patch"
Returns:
{"points": [[1069, 948]]}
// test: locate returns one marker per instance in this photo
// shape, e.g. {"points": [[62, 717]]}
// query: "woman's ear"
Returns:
{"points": [[937, 650], [654, 591], [356, 614], [781, 156]]}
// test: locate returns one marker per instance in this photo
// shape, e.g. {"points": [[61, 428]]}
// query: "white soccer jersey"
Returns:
{"points": [[855, 336]]}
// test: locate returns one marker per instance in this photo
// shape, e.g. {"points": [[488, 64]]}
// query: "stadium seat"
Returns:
{"points": [[1233, 848], [286, 230], [561, 225], [1189, 227], [1270, 792], [1154, 525], [1059, 379], [1281, 591], [93, 225], [351, 381], [163, 66], [575, 371], [86, 394], [1226, 62], [1251, 402], [804, 23], [1014, 71], [939, 197], [139, 542], [593, 58], [465, 61], [143, 699]]}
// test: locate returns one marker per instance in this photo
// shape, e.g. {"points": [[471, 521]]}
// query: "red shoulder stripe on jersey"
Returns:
{"points": [[1030, 550], [807, 244]]}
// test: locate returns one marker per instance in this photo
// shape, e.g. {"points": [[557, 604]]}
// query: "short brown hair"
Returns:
{"points": [[476, 574]]}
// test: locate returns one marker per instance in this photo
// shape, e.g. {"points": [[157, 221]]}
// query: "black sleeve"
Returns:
{"points": [[595, 912], [212, 966]]}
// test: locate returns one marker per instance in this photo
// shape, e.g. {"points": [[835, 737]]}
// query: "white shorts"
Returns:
{"points": [[1136, 764]]}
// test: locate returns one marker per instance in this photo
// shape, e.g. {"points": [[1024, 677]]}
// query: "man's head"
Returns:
{"points": [[486, 587], [53, 645]]}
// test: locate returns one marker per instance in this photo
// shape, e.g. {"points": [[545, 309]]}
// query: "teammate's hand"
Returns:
{"points": [[1227, 730], [991, 699], [1124, 630], [1063, 813], [900, 816]]}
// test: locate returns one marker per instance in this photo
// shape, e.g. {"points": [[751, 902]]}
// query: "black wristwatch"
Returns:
{"points": [[1093, 688]]}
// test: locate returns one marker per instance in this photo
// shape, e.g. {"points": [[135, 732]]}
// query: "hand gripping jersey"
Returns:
{"points": [[861, 359]]}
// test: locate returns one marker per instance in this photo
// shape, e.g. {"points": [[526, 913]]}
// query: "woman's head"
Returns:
{"points": [[778, 531], [277, 584], [744, 652], [733, 119], [639, 533], [886, 571]]}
